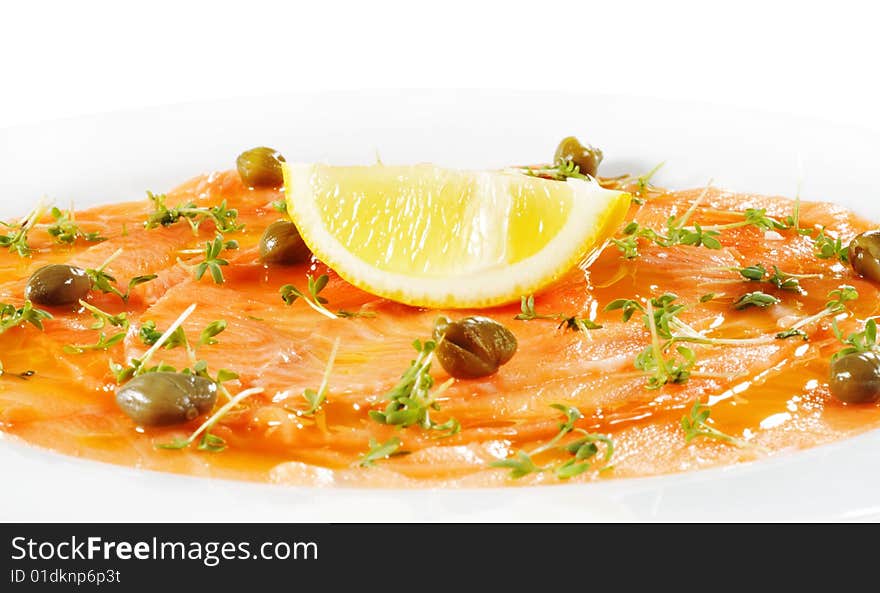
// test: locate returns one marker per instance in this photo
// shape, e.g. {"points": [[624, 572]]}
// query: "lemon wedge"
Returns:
{"points": [[445, 238]]}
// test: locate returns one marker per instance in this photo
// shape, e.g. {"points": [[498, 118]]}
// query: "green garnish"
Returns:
{"points": [[316, 398], [695, 236], [209, 442], [582, 450], [643, 183], [756, 217], [379, 451], [838, 298], [149, 334], [16, 240], [864, 341], [342, 313], [792, 333], [12, 316], [65, 229], [695, 425], [213, 262], [177, 336], [830, 247], [559, 172], [208, 334], [280, 206], [663, 367], [778, 278], [660, 318], [225, 219], [104, 282], [676, 233], [663, 307], [528, 313], [411, 401], [629, 244], [755, 299], [793, 220], [290, 293], [103, 321], [138, 366]]}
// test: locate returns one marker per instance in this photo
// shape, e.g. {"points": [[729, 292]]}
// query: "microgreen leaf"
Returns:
{"points": [[643, 183], [836, 304], [558, 171], [103, 320], [779, 279], [627, 306], [827, 247], [209, 442], [106, 283], [791, 333], [755, 299], [225, 219], [696, 425], [212, 261], [571, 322], [519, 466], [316, 399], [840, 296], [379, 451], [12, 316], [290, 293], [16, 240], [411, 401], [66, 231], [863, 341], [211, 331], [581, 450]]}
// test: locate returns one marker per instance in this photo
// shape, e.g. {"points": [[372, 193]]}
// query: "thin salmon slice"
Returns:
{"points": [[771, 392]]}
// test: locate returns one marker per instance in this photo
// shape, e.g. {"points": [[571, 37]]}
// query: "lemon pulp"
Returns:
{"points": [[429, 236]]}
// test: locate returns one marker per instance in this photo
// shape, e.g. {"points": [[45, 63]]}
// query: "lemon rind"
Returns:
{"points": [[595, 213]]}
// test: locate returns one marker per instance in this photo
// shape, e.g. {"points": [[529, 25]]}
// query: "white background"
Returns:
{"points": [[80, 57], [59, 59]]}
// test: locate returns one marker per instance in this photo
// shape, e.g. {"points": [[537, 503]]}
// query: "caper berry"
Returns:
{"points": [[587, 158], [58, 285], [260, 167], [855, 378], [164, 398], [473, 347], [282, 244], [864, 255]]}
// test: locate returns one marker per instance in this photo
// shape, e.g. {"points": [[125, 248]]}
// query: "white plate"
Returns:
{"points": [[118, 156]]}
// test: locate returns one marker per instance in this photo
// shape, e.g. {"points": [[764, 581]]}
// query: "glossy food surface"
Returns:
{"points": [[772, 393]]}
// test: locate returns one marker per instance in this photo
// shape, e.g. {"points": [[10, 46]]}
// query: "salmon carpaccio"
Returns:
{"points": [[772, 393]]}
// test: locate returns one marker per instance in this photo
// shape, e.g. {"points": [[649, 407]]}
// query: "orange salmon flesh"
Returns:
{"points": [[770, 393]]}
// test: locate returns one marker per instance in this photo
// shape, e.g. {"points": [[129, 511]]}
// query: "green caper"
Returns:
{"points": [[282, 244], [864, 255], [260, 167], [587, 158], [855, 378], [58, 285], [164, 398], [473, 347]]}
